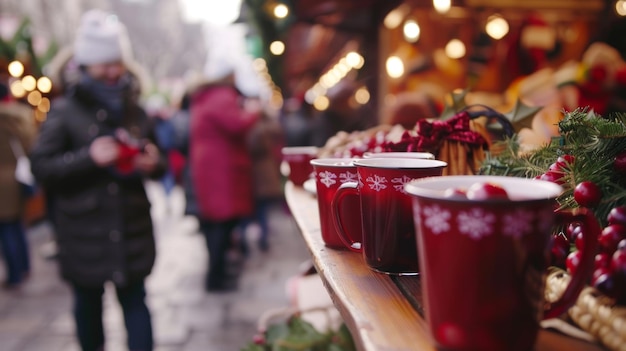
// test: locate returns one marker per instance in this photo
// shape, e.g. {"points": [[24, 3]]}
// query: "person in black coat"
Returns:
{"points": [[92, 154]]}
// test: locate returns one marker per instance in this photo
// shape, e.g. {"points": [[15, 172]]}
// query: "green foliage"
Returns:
{"points": [[593, 140], [267, 29], [296, 334], [22, 45]]}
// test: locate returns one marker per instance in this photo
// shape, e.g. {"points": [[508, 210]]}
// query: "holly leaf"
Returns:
{"points": [[521, 116], [454, 103]]}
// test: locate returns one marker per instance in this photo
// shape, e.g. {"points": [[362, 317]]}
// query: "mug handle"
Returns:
{"points": [[345, 189], [591, 231]]}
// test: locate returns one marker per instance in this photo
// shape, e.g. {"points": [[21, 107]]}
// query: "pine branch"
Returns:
{"points": [[593, 140]]}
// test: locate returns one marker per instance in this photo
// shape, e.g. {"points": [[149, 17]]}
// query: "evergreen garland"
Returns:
{"points": [[593, 140]]}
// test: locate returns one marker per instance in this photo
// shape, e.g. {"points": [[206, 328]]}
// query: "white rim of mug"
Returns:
{"points": [[399, 163], [395, 154], [518, 189], [333, 162], [300, 150]]}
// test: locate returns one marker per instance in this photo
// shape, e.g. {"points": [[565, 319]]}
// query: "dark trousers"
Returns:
{"points": [[14, 250], [88, 316], [218, 237], [261, 217]]}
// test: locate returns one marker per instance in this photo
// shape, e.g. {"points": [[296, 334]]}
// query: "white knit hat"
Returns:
{"points": [[101, 38], [219, 68]]}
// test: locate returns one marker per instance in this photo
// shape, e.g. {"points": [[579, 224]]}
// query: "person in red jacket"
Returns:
{"points": [[221, 167]]}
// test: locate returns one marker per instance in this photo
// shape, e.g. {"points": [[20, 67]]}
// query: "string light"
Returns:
{"points": [[29, 83], [352, 60], [394, 17], [411, 31], [17, 89], [362, 95], [44, 84], [355, 60], [281, 11], [442, 6], [321, 103], [395, 67], [455, 49], [497, 27], [16, 69], [620, 7], [277, 47], [34, 97]]}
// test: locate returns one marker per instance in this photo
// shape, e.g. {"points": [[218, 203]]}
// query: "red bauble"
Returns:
{"points": [[617, 215], [587, 194], [620, 163]]}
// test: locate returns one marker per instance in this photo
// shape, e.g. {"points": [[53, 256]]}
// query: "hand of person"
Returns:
{"points": [[148, 160], [104, 151]]}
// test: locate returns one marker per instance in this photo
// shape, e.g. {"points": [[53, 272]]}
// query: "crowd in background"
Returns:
{"points": [[102, 141]]}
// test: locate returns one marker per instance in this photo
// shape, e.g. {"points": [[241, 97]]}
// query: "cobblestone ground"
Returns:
{"points": [[37, 317]]}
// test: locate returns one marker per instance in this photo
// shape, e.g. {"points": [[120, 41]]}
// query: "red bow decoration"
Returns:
{"points": [[430, 135]]}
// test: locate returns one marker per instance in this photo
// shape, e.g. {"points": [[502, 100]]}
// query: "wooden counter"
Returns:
{"points": [[382, 312]]}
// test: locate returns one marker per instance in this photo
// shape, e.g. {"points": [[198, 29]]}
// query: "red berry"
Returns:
{"points": [[620, 163], [587, 194], [572, 261], [579, 240], [598, 272], [618, 262], [606, 284], [621, 245], [559, 250], [486, 191], [258, 339], [455, 193], [573, 229], [617, 215], [566, 161], [611, 236], [602, 260], [554, 177], [556, 167]]}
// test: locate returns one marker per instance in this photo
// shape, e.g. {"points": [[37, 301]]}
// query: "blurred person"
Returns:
{"points": [[157, 107], [16, 126], [181, 121], [92, 154], [265, 142], [221, 166], [296, 121]]}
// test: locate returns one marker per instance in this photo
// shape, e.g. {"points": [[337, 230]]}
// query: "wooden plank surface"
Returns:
{"points": [[383, 313]]}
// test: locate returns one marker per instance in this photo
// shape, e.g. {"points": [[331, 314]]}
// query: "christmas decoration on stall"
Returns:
{"points": [[20, 47], [588, 160], [597, 81], [267, 29], [24, 69]]}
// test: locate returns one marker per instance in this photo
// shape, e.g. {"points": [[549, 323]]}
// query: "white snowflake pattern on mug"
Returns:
{"points": [[327, 178], [347, 177], [517, 223], [437, 219], [376, 183], [476, 223], [399, 183]]}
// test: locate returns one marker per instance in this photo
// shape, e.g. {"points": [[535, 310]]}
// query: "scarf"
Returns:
{"points": [[112, 96]]}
